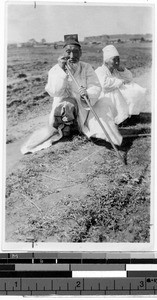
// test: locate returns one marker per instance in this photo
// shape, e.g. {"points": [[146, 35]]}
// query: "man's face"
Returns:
{"points": [[116, 62], [113, 62], [72, 53]]}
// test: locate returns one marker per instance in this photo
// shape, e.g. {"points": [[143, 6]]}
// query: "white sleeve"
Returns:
{"points": [[108, 83], [93, 85], [57, 82], [126, 75], [111, 84]]}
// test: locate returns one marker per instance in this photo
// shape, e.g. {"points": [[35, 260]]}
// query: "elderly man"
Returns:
{"points": [[61, 87], [69, 106], [120, 93]]}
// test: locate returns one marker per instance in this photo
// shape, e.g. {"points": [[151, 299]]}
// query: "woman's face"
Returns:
{"points": [[113, 63]]}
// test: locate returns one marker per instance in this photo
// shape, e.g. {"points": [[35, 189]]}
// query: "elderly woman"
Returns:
{"points": [[119, 91]]}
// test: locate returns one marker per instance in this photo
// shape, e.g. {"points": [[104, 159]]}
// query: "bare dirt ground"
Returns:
{"points": [[77, 190]]}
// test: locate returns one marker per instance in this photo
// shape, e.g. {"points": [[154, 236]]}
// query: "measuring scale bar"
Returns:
{"points": [[78, 286]]}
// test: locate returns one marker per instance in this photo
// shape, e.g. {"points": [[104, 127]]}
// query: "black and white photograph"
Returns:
{"points": [[79, 135]]}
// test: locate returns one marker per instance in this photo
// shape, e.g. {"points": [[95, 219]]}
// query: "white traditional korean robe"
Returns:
{"points": [[61, 85], [120, 93]]}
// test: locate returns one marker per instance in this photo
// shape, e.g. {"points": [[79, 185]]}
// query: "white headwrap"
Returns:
{"points": [[109, 51]]}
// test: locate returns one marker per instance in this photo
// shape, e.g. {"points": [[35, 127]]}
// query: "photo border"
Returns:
{"points": [[80, 247]]}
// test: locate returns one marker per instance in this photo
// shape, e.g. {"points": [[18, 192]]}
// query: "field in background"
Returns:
{"points": [[27, 73], [77, 190]]}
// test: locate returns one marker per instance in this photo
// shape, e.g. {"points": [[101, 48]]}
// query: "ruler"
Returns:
{"points": [[78, 286], [77, 274]]}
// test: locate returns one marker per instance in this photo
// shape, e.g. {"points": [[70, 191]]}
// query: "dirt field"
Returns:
{"points": [[77, 190]]}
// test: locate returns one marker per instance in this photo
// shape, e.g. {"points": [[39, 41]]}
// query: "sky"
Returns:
{"points": [[25, 20]]}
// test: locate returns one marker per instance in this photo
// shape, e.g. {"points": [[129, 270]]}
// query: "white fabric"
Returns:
{"points": [[93, 129], [41, 139], [61, 85], [120, 93], [109, 51]]}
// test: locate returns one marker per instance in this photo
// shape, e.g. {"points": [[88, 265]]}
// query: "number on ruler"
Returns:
{"points": [[141, 283], [78, 283]]}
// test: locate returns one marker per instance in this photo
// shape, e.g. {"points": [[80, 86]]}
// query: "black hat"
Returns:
{"points": [[71, 39]]}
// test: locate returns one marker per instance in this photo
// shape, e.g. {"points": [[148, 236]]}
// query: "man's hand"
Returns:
{"points": [[83, 92], [62, 61], [120, 69]]}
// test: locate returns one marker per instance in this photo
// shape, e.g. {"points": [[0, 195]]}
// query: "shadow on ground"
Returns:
{"points": [[130, 132], [142, 118]]}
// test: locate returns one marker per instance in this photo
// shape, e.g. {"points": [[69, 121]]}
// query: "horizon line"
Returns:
{"points": [[118, 34]]}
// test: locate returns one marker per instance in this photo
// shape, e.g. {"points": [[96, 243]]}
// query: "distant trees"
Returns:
{"points": [[32, 41], [142, 39], [43, 41]]}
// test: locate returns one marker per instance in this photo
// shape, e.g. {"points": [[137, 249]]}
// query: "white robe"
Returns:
{"points": [[120, 93], [61, 85]]}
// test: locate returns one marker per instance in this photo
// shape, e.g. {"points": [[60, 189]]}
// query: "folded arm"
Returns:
{"points": [[126, 75]]}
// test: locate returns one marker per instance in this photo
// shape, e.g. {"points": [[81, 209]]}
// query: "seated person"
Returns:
{"points": [[64, 91], [119, 91]]}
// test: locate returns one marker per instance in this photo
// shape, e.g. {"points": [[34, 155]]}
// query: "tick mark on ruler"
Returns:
{"points": [[114, 285]]}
